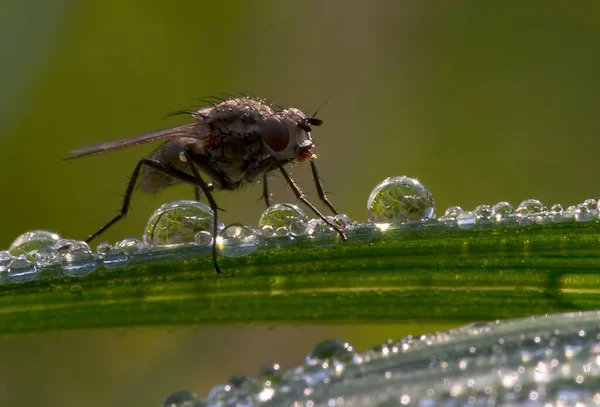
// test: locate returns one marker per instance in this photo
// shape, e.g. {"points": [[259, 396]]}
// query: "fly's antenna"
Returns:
{"points": [[313, 119]]}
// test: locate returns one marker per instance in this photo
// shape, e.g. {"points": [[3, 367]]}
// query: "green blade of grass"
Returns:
{"points": [[460, 276]]}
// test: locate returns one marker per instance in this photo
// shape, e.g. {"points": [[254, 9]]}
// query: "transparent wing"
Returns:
{"points": [[187, 130]]}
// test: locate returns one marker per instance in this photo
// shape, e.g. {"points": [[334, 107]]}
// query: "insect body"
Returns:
{"points": [[233, 142]]}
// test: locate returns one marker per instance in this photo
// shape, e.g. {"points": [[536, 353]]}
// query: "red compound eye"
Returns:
{"points": [[275, 134]]}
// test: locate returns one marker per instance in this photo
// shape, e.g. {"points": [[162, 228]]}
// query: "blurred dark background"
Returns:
{"points": [[482, 101]]}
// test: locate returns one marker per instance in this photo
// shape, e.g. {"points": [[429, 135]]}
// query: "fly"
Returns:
{"points": [[232, 142]]}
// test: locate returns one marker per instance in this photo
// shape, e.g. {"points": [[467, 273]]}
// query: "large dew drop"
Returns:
{"points": [[282, 215], [400, 199], [179, 222], [31, 241]]}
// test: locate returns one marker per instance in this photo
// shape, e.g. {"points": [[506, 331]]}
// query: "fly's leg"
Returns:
{"points": [[266, 194], [211, 201], [320, 189], [159, 166], [300, 195]]}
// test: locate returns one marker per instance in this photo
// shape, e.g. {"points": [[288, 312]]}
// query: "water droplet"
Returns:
{"points": [[282, 231], [341, 220], [79, 260], [363, 233], [237, 240], [585, 213], [130, 245], [399, 199], [330, 350], [281, 215], [530, 207], [322, 234], [103, 248], [22, 270], [590, 204], [452, 213], [203, 238], [181, 399], [267, 231], [556, 208], [114, 258], [62, 245], [484, 212], [5, 259], [47, 257], [178, 222], [467, 220], [298, 228], [502, 211], [31, 241]]}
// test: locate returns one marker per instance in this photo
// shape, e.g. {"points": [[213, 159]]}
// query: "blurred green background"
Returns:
{"points": [[482, 101]]}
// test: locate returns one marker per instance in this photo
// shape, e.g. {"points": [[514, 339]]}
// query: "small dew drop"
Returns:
{"points": [[103, 248], [22, 270], [5, 260], [452, 213], [203, 238], [31, 241], [267, 231], [298, 228], [130, 245], [79, 260], [47, 257], [556, 208], [62, 245], [502, 211], [400, 199], [341, 220], [530, 207], [467, 220], [282, 231], [330, 350], [484, 212], [178, 222], [281, 215], [238, 240]]}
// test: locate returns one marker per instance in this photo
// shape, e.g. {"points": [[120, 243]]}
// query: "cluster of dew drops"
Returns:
{"points": [[481, 364], [396, 206]]}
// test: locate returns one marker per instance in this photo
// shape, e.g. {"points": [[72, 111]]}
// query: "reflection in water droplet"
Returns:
{"points": [[178, 222], [484, 212], [130, 245], [556, 208], [181, 399], [79, 260], [47, 256], [22, 270], [586, 211], [399, 199], [31, 241], [267, 231], [281, 215], [322, 234], [237, 240]]}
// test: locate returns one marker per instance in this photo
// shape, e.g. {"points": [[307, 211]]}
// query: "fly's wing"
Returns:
{"points": [[187, 130]]}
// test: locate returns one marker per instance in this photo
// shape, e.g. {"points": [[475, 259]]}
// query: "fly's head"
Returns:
{"points": [[286, 134]]}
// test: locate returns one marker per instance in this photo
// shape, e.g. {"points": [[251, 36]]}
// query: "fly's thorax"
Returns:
{"points": [[283, 136]]}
